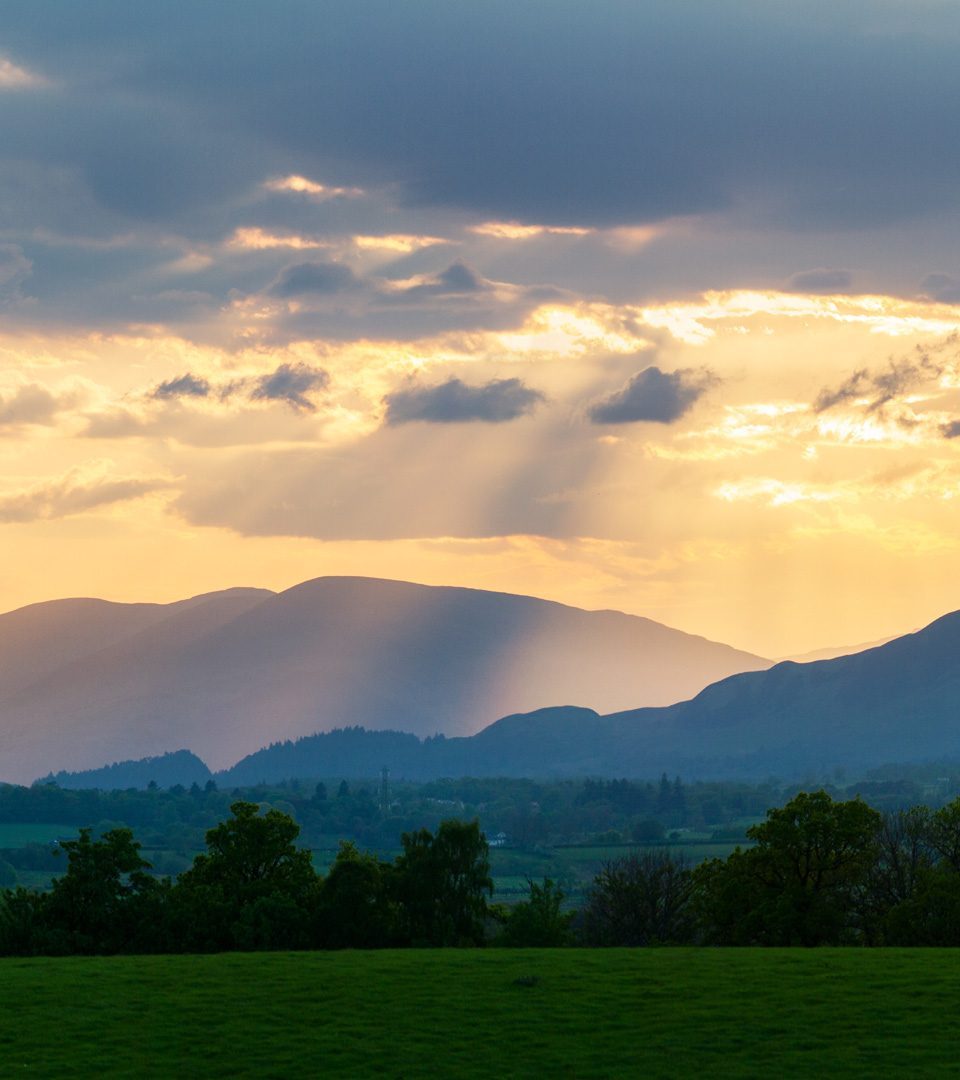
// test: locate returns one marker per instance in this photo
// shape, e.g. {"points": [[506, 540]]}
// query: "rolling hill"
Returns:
{"points": [[84, 682]]}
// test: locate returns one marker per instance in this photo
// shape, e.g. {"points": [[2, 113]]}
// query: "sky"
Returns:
{"points": [[635, 305]]}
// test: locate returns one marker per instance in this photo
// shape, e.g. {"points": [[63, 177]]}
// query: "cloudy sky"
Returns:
{"points": [[641, 305]]}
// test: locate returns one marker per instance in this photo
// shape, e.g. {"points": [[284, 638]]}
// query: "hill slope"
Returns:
{"points": [[896, 703], [231, 672]]}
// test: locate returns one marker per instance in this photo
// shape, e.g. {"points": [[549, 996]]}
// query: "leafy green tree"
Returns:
{"points": [[803, 882], [900, 872], [253, 852], [252, 888], [920, 866], [93, 907], [442, 883], [639, 899], [931, 914], [539, 922], [24, 929], [943, 834], [356, 910]]}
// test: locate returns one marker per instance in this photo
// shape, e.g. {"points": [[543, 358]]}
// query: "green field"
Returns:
{"points": [[576, 1013], [17, 836]]}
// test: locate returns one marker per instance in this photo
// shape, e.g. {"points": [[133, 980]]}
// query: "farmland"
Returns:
{"points": [[655, 1012]]}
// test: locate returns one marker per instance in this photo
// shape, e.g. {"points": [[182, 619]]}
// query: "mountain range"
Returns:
{"points": [[85, 681], [896, 703]]}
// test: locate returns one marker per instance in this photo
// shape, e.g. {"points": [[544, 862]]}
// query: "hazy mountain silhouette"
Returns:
{"points": [[227, 673], [833, 651], [166, 771], [899, 702]]}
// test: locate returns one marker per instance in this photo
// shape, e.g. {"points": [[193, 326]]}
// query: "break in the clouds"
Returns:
{"points": [[654, 396], [455, 402]]}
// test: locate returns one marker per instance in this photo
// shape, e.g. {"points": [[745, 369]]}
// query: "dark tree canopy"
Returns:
{"points": [[443, 882]]}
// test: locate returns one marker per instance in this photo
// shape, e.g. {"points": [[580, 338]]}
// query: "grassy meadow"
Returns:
{"points": [[18, 835], [485, 1013]]}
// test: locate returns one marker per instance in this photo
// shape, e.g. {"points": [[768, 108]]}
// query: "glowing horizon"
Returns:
{"points": [[586, 338]]}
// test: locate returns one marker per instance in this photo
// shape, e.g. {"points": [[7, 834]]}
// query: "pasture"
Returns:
{"points": [[18, 835], [485, 1013]]}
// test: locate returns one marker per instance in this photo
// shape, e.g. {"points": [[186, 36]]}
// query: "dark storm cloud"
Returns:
{"points": [[454, 402], [951, 430], [323, 278], [654, 396], [292, 384], [821, 280], [184, 386], [159, 124], [597, 113]]}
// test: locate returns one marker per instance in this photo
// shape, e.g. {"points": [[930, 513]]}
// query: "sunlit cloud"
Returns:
{"points": [[14, 77], [751, 428], [573, 331], [773, 492], [902, 483], [402, 243], [625, 237], [35, 405], [858, 429], [514, 230], [302, 186], [257, 239], [695, 323]]}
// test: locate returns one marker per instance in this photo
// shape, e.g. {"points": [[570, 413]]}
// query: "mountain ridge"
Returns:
{"points": [[227, 673]]}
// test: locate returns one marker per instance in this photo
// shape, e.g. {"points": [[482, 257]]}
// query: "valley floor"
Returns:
{"points": [[485, 1013]]}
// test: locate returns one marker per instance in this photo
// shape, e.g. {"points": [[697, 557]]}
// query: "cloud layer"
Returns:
{"points": [[627, 303]]}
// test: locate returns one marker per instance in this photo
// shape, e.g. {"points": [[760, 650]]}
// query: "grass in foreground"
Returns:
{"points": [[575, 1013]]}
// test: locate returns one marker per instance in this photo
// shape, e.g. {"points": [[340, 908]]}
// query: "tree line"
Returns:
{"points": [[820, 872], [253, 888], [532, 814]]}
